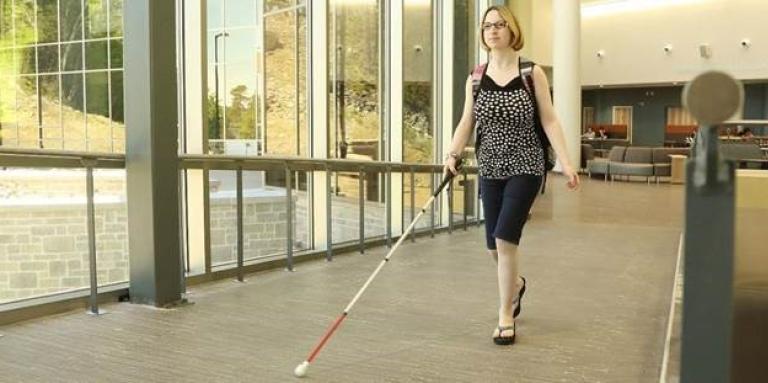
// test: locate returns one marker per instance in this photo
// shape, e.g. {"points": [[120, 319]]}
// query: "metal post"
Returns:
{"points": [[450, 206], [240, 223], [288, 218], [709, 246], [216, 37], [328, 218], [476, 202], [413, 203], [361, 209], [432, 207], [466, 199], [184, 259], [91, 222], [388, 205], [711, 97]]}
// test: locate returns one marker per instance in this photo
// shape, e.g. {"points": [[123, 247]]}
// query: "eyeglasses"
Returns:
{"points": [[497, 25]]}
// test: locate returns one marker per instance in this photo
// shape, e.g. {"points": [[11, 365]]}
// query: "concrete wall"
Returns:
{"points": [[633, 42]]}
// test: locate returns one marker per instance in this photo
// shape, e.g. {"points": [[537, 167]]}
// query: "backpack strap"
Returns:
{"points": [[477, 76], [526, 73]]}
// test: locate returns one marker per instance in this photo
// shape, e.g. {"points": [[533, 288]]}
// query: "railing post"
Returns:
{"points": [[361, 208], [432, 207], [388, 204], [413, 203], [450, 206], [477, 203], [239, 182], [288, 218], [328, 217], [182, 232], [91, 222], [711, 98], [466, 198], [709, 244]]}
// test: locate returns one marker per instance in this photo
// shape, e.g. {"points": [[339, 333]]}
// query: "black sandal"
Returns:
{"points": [[519, 300], [505, 340]]}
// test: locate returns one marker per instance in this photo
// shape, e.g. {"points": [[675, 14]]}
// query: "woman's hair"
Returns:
{"points": [[512, 24]]}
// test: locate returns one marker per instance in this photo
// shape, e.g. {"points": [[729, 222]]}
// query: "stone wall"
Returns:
{"points": [[345, 218], [44, 249], [264, 227]]}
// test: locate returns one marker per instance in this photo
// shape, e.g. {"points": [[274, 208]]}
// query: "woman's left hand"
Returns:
{"points": [[573, 177]]}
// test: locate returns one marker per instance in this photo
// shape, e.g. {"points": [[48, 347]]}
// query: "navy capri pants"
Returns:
{"points": [[506, 203]]}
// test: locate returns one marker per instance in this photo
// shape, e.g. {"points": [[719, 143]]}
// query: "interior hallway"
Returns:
{"points": [[600, 265]]}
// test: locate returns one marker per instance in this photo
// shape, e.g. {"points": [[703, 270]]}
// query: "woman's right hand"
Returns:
{"points": [[450, 165]]}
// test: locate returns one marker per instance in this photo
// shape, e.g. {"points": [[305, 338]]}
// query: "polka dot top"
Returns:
{"points": [[508, 141]]}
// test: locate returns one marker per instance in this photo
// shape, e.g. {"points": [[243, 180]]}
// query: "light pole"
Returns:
{"points": [[216, 76]]}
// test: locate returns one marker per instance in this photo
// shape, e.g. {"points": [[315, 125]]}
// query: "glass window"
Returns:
{"points": [[49, 91], [96, 18], [354, 128], [71, 16], [72, 56], [7, 66], [26, 111], [239, 107], [97, 112], [48, 59], [48, 101], [215, 14], [24, 22], [276, 5], [73, 117], [272, 111], [26, 58], [116, 53], [303, 90], [256, 73], [240, 46], [241, 13], [97, 93], [47, 25], [418, 130], [282, 125], [241, 103], [64, 269], [354, 56], [117, 96], [96, 54], [417, 86], [116, 18], [6, 23], [50, 111]]}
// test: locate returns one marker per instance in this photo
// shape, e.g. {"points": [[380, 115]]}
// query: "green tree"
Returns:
{"points": [[214, 132], [241, 114]]}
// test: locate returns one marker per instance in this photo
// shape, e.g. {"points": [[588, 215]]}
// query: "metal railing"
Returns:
{"points": [[290, 165], [31, 158], [47, 159]]}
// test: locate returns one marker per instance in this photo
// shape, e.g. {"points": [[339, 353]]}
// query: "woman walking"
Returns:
{"points": [[510, 153]]}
